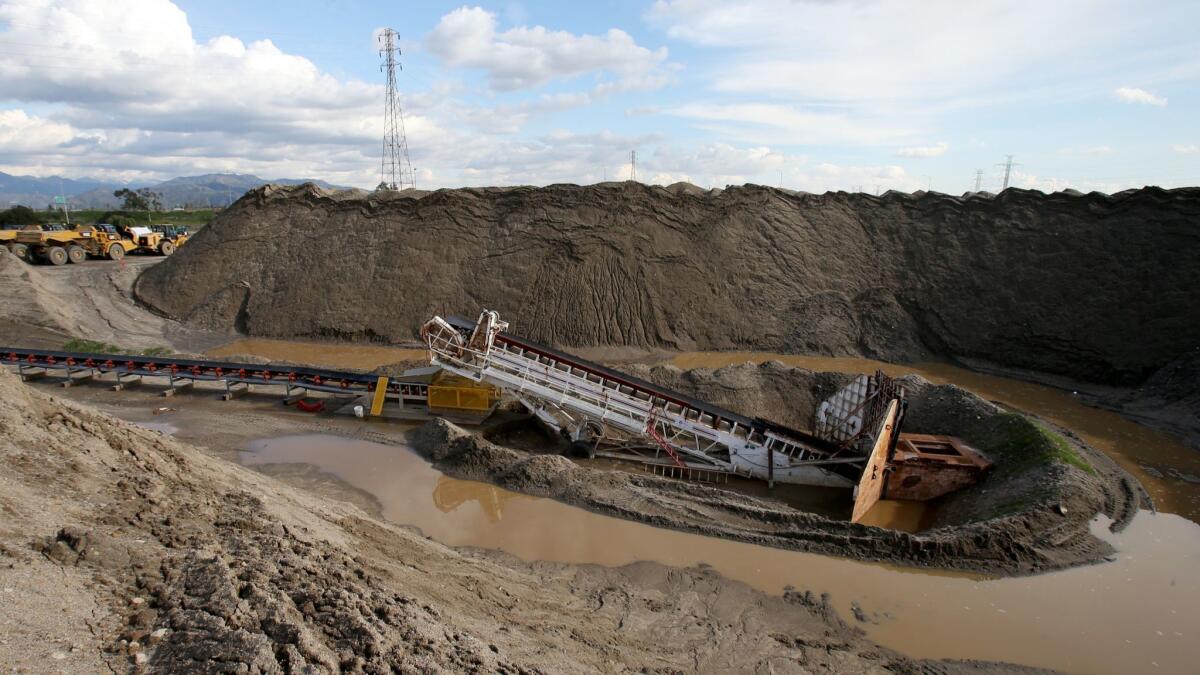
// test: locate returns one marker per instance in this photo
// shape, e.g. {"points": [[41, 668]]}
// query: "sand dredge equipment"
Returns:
{"points": [[616, 415]]}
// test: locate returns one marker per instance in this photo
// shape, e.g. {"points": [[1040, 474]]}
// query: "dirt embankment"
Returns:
{"points": [[1030, 514], [1169, 399], [46, 306], [124, 549], [1096, 287]]}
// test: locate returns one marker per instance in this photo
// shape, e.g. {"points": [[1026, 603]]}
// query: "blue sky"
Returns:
{"points": [[816, 94]]}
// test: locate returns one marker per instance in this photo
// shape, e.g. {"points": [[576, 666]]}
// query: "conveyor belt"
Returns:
{"points": [[757, 424], [317, 379]]}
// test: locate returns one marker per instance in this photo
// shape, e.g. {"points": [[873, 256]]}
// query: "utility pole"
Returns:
{"points": [[978, 179], [395, 169], [1008, 166], [633, 165]]}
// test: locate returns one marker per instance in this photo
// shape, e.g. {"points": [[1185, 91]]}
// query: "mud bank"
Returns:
{"points": [[122, 548], [1030, 514], [1023, 279]]}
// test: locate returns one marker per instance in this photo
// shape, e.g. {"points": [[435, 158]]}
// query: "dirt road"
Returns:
{"points": [[45, 306]]}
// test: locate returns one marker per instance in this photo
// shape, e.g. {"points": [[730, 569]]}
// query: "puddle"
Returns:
{"points": [[1128, 443], [1138, 614], [359, 357]]}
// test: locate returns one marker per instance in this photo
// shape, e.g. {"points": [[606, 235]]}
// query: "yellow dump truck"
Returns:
{"points": [[58, 245], [55, 244], [8, 236]]}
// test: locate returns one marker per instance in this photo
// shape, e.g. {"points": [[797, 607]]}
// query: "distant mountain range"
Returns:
{"points": [[208, 190]]}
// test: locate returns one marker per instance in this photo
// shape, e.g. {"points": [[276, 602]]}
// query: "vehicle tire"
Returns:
{"points": [[116, 252], [76, 254], [56, 255], [21, 251], [166, 248]]}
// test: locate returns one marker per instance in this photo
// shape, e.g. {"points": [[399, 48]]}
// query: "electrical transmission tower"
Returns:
{"points": [[978, 179], [1008, 166], [395, 169], [633, 165]]}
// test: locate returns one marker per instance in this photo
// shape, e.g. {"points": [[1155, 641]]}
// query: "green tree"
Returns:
{"points": [[142, 199], [19, 215], [131, 200]]}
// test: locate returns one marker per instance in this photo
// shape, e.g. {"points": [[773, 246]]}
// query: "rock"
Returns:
{"points": [[1152, 471], [859, 615]]}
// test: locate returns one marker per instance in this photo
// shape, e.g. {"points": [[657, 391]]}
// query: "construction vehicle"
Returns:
{"points": [[152, 240], [58, 245], [54, 243], [8, 237]]}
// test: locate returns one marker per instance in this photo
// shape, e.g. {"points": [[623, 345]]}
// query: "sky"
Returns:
{"points": [[816, 95]]}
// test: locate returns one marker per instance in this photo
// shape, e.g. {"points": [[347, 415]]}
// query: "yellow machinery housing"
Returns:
{"points": [[455, 393]]}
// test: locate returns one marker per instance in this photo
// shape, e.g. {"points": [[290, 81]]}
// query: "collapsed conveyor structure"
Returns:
{"points": [[616, 415]]}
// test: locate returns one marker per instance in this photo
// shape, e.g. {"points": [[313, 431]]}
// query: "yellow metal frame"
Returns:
{"points": [[380, 395]]}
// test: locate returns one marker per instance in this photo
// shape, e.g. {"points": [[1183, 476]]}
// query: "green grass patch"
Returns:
{"points": [[97, 347], [1030, 444]]}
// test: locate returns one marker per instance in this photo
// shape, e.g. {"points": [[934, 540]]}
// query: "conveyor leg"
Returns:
{"points": [[127, 381], [178, 384]]}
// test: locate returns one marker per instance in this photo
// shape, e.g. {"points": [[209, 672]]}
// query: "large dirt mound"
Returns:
{"points": [[1094, 286]]}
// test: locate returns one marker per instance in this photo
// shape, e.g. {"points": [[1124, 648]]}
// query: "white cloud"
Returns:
{"points": [[772, 123], [887, 49], [1189, 149], [924, 151], [1135, 95], [526, 57], [126, 88], [21, 133], [1030, 181]]}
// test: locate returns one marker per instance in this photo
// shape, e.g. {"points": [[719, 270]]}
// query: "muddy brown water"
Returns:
{"points": [[1139, 613], [363, 357]]}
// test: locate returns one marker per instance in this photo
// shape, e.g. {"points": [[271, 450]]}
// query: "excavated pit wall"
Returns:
{"points": [[1097, 287]]}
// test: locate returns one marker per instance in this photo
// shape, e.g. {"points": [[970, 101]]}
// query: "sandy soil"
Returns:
{"points": [[123, 549], [46, 306]]}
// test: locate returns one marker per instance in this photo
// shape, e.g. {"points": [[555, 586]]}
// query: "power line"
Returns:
{"points": [[395, 169]]}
